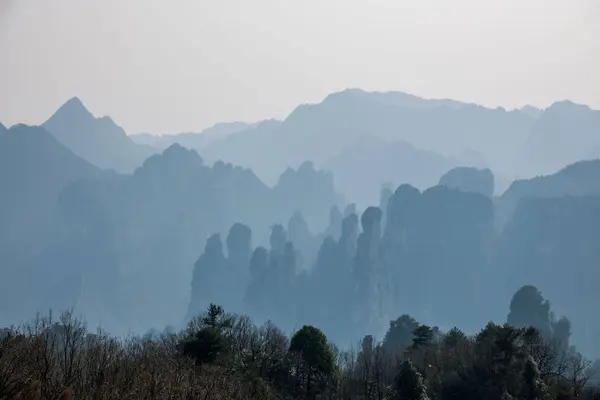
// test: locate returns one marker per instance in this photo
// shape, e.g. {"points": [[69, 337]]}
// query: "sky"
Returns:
{"points": [[182, 65]]}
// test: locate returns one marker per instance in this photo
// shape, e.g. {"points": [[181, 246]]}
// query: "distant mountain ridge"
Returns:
{"points": [[531, 111], [578, 179], [195, 140], [519, 143], [319, 132], [470, 179], [564, 133], [97, 140], [360, 169]]}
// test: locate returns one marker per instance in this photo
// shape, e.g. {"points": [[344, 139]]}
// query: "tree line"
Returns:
{"points": [[222, 355]]}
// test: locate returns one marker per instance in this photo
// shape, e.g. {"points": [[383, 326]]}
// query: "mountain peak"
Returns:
{"points": [[73, 108], [568, 105]]}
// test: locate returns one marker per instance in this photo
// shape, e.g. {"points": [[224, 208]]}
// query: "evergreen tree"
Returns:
{"points": [[318, 361], [409, 383], [422, 336], [529, 308]]}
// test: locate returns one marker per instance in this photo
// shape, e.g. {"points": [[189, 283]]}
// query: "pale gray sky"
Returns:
{"points": [[180, 65]]}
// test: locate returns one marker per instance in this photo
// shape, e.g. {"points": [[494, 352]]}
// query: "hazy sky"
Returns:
{"points": [[180, 65]]}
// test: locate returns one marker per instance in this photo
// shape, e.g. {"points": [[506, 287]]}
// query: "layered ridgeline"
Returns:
{"points": [[426, 255], [579, 179], [97, 140], [550, 227], [470, 179], [121, 248], [368, 139], [138, 250], [196, 140], [436, 255], [320, 132], [564, 133], [34, 169]]}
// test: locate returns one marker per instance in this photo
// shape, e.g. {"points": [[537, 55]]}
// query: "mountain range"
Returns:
{"points": [[508, 142], [347, 127], [193, 140], [92, 219]]}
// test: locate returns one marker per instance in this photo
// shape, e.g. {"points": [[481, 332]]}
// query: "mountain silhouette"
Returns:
{"points": [[552, 241], [470, 179], [362, 168], [243, 147], [3, 129], [97, 140], [533, 112], [34, 169], [146, 229], [578, 179], [319, 132], [563, 134], [194, 140]]}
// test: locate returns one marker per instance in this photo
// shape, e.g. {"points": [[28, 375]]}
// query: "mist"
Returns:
{"points": [[285, 200]]}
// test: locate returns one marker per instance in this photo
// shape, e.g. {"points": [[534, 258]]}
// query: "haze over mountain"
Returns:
{"points": [[321, 131], [578, 179], [147, 248], [360, 169], [410, 211], [97, 140], [103, 242], [34, 169], [563, 134], [551, 240], [531, 111], [470, 179], [334, 133], [194, 140]]}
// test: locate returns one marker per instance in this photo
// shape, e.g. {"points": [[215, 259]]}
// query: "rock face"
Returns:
{"points": [[470, 179]]}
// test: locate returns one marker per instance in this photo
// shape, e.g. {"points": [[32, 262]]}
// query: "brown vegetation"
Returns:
{"points": [[61, 360]]}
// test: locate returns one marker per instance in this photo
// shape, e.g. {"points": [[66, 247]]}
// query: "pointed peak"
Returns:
{"points": [[74, 106], [75, 101]]}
